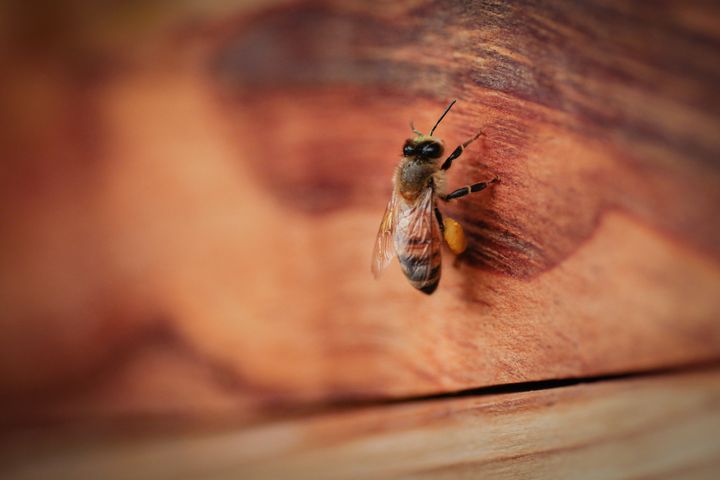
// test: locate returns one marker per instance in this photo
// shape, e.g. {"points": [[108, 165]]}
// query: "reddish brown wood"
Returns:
{"points": [[190, 202]]}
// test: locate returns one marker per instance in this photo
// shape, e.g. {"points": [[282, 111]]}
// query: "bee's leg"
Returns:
{"points": [[458, 151], [454, 236], [439, 217], [475, 187], [452, 232]]}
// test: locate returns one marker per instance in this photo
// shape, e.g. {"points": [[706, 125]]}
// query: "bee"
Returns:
{"points": [[413, 227]]}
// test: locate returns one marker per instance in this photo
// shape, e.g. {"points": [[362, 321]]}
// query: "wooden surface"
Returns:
{"points": [[191, 196], [664, 427]]}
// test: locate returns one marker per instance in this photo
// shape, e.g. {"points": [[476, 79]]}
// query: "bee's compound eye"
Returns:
{"points": [[408, 149], [432, 150]]}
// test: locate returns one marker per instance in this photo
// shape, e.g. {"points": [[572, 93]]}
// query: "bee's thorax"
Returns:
{"points": [[413, 175]]}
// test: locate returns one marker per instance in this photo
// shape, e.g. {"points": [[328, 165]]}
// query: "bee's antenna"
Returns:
{"points": [[415, 130], [442, 116]]}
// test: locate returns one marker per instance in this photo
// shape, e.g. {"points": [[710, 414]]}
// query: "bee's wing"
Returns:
{"points": [[384, 250], [417, 239]]}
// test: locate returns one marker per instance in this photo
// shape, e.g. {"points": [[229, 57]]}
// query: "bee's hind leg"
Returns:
{"points": [[452, 233], [454, 236], [439, 217]]}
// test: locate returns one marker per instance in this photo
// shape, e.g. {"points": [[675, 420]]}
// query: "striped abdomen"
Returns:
{"points": [[418, 242]]}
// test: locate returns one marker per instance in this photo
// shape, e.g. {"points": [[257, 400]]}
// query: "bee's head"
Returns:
{"points": [[426, 146], [423, 147]]}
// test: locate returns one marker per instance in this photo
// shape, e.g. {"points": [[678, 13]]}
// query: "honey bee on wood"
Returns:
{"points": [[412, 225]]}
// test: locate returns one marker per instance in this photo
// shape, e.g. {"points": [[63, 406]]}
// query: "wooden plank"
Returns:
{"points": [[191, 208], [650, 428]]}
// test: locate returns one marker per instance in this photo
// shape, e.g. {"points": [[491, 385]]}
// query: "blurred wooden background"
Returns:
{"points": [[191, 192]]}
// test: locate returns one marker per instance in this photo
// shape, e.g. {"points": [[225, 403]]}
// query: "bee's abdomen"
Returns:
{"points": [[421, 269], [417, 241]]}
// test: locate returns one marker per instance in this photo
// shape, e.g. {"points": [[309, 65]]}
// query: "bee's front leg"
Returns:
{"points": [[458, 151]]}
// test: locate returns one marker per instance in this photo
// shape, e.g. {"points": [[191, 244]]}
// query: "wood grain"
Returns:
{"points": [[652, 428], [191, 195]]}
